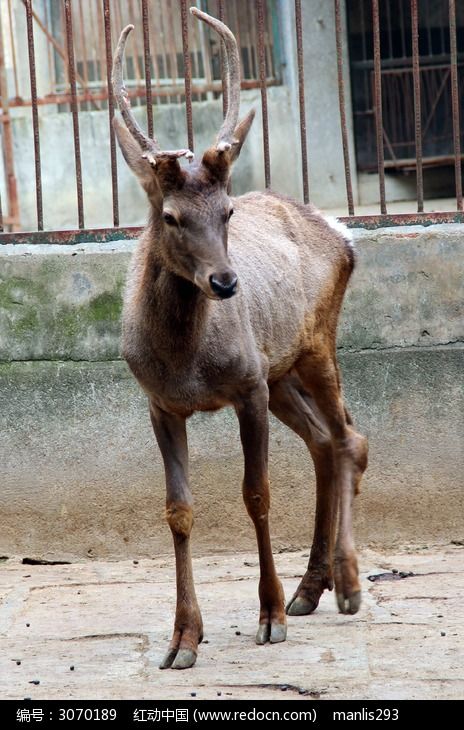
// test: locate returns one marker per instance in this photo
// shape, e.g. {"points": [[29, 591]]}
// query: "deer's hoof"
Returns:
{"points": [[278, 633], [301, 606], [168, 659], [179, 659], [275, 633], [185, 658], [349, 605]]}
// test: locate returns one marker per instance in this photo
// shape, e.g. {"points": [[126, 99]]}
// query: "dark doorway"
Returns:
{"points": [[397, 82]]}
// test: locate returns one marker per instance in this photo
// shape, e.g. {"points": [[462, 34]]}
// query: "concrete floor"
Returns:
{"points": [[112, 622]]}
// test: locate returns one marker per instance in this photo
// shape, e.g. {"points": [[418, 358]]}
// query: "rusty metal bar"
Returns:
{"points": [[114, 164], [417, 104], [147, 60], [378, 104], [455, 103], [73, 237], [35, 115], [372, 222], [301, 98], [74, 111], [101, 235], [134, 93], [341, 100], [51, 39], [187, 73], [262, 78]]}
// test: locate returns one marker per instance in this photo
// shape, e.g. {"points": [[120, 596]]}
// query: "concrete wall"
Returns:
{"points": [[81, 474]]}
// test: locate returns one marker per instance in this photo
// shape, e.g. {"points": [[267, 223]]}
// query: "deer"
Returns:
{"points": [[234, 301]]}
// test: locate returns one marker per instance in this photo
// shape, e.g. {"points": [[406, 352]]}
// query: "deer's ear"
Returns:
{"points": [[165, 177], [132, 154], [217, 162], [240, 135]]}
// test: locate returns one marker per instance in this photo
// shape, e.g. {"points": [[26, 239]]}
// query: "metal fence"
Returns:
{"points": [[185, 67]]}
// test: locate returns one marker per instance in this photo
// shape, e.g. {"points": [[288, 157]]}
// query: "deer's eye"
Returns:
{"points": [[228, 215], [169, 219]]}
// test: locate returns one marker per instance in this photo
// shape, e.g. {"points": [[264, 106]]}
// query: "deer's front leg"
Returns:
{"points": [[171, 435], [252, 413]]}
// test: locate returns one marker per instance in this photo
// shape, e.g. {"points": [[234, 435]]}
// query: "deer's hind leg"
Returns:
{"points": [[295, 407], [319, 374]]}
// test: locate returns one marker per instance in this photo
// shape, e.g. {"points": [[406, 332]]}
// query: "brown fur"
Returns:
{"points": [[270, 346]]}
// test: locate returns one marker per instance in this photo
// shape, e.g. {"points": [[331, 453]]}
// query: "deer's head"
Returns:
{"points": [[191, 206]]}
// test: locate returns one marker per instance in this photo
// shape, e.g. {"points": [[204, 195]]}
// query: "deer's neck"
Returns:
{"points": [[176, 309]]}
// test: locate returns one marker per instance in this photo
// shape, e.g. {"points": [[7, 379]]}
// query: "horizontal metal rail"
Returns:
{"points": [[123, 233]]}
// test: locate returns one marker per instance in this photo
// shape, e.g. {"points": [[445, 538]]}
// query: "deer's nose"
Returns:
{"points": [[224, 285]]}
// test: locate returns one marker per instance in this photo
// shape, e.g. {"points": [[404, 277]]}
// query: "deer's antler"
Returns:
{"points": [[225, 138], [151, 149]]}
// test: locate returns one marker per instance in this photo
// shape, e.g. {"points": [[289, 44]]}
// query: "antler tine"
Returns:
{"points": [[225, 137], [151, 148], [122, 98]]}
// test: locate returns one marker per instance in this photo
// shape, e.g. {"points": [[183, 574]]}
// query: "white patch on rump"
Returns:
{"points": [[340, 228]]}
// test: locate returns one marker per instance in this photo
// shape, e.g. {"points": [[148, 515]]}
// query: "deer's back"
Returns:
{"points": [[291, 263]]}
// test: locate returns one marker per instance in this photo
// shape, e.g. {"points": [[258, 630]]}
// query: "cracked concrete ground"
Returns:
{"points": [[97, 630]]}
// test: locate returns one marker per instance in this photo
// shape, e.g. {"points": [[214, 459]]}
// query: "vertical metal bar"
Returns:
{"points": [[187, 74], [35, 116], [417, 104], [262, 80], [147, 60], [301, 97], [225, 100], [378, 104], [341, 100], [455, 103], [114, 168], [74, 110]]}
